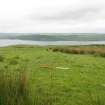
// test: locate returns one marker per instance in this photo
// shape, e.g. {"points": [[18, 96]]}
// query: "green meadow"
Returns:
{"points": [[52, 75]]}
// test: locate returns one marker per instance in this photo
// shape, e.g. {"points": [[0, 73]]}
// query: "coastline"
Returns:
{"points": [[9, 42]]}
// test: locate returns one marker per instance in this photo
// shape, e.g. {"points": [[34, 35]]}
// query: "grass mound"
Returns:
{"points": [[93, 50]]}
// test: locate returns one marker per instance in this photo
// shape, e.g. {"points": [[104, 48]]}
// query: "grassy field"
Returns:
{"points": [[52, 75]]}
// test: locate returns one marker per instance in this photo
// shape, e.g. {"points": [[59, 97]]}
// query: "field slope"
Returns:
{"points": [[53, 78]]}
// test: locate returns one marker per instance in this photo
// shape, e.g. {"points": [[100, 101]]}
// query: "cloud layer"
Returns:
{"points": [[52, 16]]}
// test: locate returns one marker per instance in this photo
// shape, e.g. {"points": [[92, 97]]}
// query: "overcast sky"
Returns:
{"points": [[52, 16]]}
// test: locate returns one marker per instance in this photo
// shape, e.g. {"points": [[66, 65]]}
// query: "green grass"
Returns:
{"points": [[28, 76]]}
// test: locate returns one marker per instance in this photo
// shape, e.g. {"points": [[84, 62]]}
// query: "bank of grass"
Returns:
{"points": [[28, 76], [98, 50]]}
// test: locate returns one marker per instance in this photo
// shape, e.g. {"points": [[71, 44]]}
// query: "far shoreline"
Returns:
{"points": [[11, 42]]}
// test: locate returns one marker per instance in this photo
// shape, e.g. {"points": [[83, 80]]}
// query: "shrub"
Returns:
{"points": [[13, 62], [82, 52], [1, 58], [102, 54], [55, 50], [16, 57], [75, 51], [67, 51]]}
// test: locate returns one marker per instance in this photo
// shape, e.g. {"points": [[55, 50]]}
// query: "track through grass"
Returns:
{"points": [[35, 80]]}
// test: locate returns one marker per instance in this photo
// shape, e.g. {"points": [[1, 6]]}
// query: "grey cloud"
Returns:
{"points": [[72, 15], [52, 16]]}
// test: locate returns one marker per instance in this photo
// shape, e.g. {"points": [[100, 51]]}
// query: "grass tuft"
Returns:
{"points": [[13, 88], [1, 58]]}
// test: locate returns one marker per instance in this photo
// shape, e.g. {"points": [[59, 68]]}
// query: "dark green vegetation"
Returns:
{"points": [[28, 75]]}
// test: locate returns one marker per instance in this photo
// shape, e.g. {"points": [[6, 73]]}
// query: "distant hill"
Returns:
{"points": [[54, 36]]}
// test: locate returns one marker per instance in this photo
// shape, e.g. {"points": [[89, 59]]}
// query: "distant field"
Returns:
{"points": [[52, 75]]}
